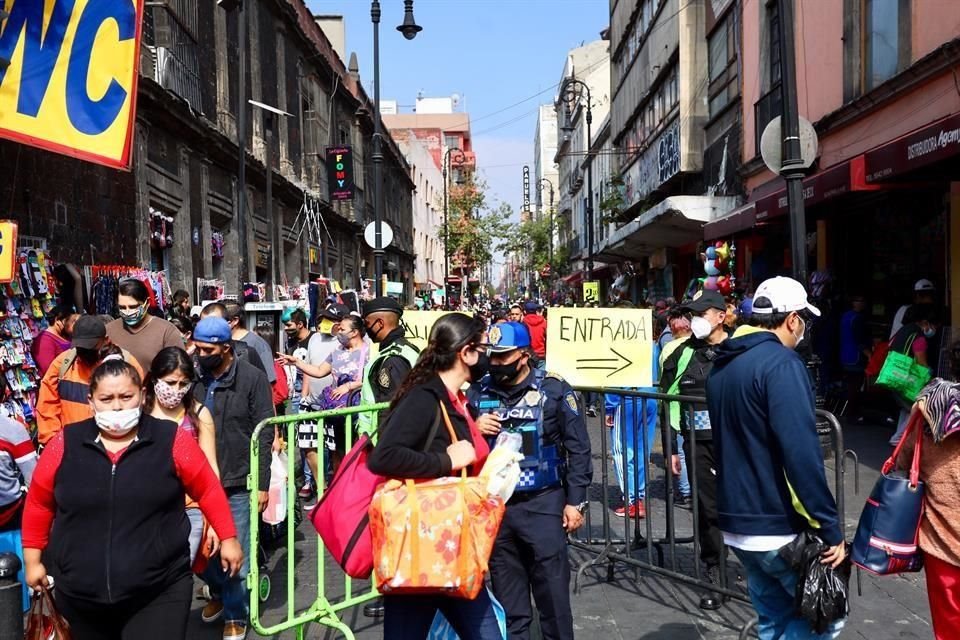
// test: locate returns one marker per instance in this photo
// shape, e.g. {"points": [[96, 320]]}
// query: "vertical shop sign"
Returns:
{"points": [[8, 250], [71, 83], [340, 173]]}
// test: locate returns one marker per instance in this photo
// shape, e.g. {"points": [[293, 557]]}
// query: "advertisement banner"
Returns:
{"points": [[8, 250], [340, 173], [71, 84]]}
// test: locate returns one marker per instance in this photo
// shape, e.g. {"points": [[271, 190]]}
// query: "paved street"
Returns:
{"points": [[641, 605]]}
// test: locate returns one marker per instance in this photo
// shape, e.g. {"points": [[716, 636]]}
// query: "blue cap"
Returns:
{"points": [[532, 306], [508, 336], [212, 330]]}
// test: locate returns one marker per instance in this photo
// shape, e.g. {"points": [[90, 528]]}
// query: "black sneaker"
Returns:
{"points": [[683, 502], [374, 609], [711, 601]]}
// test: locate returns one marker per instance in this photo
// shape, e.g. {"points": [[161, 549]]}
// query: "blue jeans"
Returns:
{"points": [[196, 532], [627, 419], [410, 617], [683, 481], [772, 584], [233, 591]]}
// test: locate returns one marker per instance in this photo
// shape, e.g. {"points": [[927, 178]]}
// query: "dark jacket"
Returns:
{"points": [[400, 451], [392, 370], [240, 400], [762, 409], [119, 531]]}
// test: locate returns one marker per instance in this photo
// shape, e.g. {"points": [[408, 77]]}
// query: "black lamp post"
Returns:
{"points": [[237, 5], [446, 226], [409, 29], [572, 92], [550, 227]]}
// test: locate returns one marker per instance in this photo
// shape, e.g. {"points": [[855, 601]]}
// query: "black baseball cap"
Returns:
{"points": [[704, 300], [335, 311], [88, 332]]}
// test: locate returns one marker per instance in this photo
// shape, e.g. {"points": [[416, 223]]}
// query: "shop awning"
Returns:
{"points": [[574, 278], [676, 221], [830, 183], [925, 146], [740, 219]]}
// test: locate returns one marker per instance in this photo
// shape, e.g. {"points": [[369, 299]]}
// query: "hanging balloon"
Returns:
{"points": [[722, 250], [724, 285], [710, 283], [710, 267]]}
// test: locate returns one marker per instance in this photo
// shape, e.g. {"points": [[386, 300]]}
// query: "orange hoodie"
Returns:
{"points": [[65, 400]]}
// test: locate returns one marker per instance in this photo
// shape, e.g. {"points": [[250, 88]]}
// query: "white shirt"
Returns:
{"points": [[756, 543]]}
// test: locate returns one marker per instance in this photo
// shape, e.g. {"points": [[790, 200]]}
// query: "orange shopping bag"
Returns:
{"points": [[434, 536]]}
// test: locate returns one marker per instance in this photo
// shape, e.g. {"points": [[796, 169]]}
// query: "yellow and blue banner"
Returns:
{"points": [[71, 85]]}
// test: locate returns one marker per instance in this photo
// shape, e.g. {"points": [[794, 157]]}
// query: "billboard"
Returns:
{"points": [[340, 173], [71, 83]]}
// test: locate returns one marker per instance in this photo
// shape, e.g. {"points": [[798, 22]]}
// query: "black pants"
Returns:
{"points": [[162, 616], [711, 540], [530, 556], [853, 382]]}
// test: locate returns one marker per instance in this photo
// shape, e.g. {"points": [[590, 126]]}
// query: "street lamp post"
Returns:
{"points": [[550, 228], [237, 5], [446, 227], [572, 92], [409, 29]]}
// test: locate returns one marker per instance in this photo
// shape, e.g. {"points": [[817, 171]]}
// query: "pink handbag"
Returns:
{"points": [[341, 516]]}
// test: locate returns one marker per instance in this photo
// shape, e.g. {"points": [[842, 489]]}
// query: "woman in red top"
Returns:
{"points": [[106, 508], [455, 355]]}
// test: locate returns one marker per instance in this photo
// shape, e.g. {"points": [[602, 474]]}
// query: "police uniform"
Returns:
{"points": [[530, 554], [385, 372]]}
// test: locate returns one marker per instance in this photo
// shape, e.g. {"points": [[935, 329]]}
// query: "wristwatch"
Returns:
{"points": [[582, 507]]}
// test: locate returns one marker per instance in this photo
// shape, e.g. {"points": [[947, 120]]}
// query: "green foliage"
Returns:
{"points": [[476, 230], [614, 201]]}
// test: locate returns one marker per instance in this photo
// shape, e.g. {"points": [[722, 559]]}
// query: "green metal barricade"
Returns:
{"points": [[325, 608]]}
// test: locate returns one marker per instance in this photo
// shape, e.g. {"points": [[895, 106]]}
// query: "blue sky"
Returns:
{"points": [[494, 53]]}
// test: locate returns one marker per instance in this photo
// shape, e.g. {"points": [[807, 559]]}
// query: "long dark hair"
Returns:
{"points": [[166, 362], [450, 333]]}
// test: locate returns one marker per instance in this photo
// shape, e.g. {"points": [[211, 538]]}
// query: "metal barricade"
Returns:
{"points": [[612, 548], [325, 608]]}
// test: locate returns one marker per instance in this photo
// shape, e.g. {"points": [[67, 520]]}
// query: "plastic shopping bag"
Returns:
{"points": [[44, 622], [442, 630], [822, 595], [502, 468], [276, 511]]}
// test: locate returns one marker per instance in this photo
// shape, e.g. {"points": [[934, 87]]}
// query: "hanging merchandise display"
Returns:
{"points": [[254, 292], [161, 229], [25, 303], [719, 262], [216, 245], [212, 289], [106, 280]]}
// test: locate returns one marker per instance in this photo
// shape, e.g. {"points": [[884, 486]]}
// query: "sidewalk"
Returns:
{"points": [[639, 605]]}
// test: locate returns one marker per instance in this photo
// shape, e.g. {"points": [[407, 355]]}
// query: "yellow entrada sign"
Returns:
{"points": [[71, 84], [601, 347]]}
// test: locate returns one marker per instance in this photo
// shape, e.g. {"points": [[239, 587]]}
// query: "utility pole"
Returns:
{"points": [[792, 168], [242, 152]]}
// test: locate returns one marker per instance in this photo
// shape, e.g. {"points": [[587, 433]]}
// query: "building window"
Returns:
{"points": [[451, 141], [881, 50], [773, 28], [723, 87]]}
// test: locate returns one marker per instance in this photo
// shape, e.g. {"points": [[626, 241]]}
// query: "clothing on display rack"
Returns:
{"points": [[106, 280]]}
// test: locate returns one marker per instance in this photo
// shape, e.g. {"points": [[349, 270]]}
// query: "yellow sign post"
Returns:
{"points": [[71, 85], [419, 324], [591, 292], [8, 250], [601, 347]]}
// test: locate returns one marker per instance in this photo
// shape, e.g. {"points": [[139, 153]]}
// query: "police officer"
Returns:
{"points": [[383, 374], [530, 554]]}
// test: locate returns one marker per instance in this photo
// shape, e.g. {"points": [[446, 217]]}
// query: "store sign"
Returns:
{"points": [[8, 250], [822, 186], [71, 83], [931, 144], [263, 255], [340, 173], [656, 165], [591, 292]]}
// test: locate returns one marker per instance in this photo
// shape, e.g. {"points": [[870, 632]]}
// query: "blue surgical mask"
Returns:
{"points": [[929, 332]]}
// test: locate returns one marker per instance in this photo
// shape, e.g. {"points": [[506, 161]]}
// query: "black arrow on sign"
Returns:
{"points": [[605, 364]]}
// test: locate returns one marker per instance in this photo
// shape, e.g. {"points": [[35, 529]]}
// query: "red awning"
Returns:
{"points": [[574, 278], [920, 148], [836, 181], [739, 219]]}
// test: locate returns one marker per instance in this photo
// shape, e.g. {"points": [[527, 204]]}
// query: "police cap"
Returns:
{"points": [[508, 336], [383, 303]]}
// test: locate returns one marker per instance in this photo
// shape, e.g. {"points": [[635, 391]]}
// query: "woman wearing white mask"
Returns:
{"points": [[345, 364], [166, 396], [107, 505]]}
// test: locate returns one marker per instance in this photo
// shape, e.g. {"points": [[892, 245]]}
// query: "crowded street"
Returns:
{"points": [[479, 319]]}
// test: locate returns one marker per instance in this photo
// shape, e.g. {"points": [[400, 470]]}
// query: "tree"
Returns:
{"points": [[476, 230]]}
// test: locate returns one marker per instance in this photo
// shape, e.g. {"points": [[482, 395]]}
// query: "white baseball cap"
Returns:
{"points": [[784, 295], [924, 285]]}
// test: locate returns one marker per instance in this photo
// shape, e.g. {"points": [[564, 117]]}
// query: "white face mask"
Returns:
{"points": [[118, 423], [803, 331], [700, 327]]}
